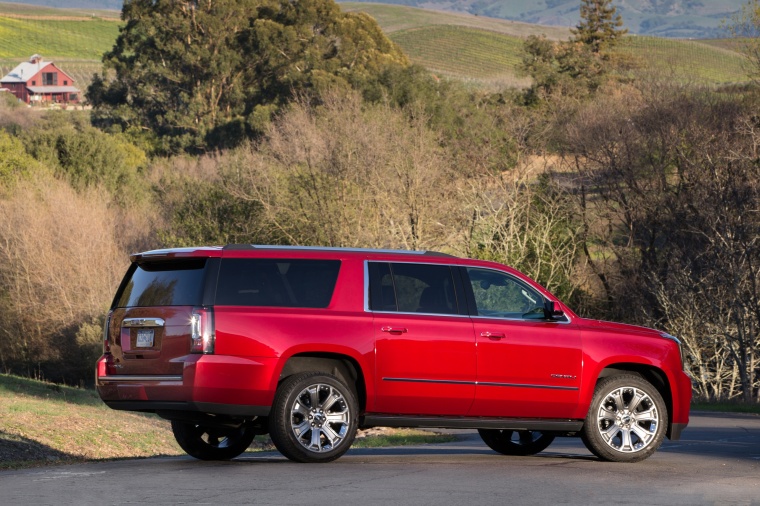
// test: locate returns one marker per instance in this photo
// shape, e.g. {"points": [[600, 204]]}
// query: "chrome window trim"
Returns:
{"points": [[421, 314], [368, 310]]}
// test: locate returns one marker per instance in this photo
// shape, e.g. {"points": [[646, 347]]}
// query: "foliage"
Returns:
{"points": [[87, 157], [745, 27], [15, 162], [208, 75], [346, 174], [599, 28], [577, 67], [59, 264], [671, 229], [201, 211]]}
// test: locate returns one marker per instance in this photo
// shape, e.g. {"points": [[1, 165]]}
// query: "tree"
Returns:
{"points": [[202, 75], [745, 27], [599, 27], [669, 190], [579, 66]]}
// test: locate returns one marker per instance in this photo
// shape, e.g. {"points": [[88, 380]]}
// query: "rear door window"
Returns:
{"points": [[172, 283], [412, 288], [276, 282]]}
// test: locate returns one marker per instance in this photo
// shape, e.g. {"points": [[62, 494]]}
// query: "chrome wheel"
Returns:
{"points": [[314, 417], [628, 419], [320, 418]]}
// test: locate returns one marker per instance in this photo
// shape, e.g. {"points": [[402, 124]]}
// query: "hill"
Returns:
{"points": [[662, 18], [112, 5], [486, 50], [476, 49]]}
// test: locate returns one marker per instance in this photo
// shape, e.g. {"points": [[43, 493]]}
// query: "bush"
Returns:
{"points": [[59, 267]]}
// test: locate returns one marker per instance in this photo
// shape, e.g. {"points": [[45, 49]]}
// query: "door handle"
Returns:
{"points": [[493, 335], [395, 330]]}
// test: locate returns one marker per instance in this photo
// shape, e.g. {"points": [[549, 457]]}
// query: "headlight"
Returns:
{"points": [[680, 347]]}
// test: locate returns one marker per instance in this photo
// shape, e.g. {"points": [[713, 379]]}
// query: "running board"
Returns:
{"points": [[442, 422]]}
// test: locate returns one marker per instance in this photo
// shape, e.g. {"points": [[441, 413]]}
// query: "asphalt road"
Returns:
{"points": [[716, 462]]}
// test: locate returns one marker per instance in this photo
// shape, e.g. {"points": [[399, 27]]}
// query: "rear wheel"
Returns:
{"points": [[212, 443], [313, 418], [627, 419], [516, 442]]}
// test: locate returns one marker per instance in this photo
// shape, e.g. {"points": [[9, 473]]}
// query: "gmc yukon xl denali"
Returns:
{"points": [[309, 344]]}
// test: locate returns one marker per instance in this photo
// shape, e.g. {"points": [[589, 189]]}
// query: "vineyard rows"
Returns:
{"points": [[86, 40], [688, 60], [461, 52]]}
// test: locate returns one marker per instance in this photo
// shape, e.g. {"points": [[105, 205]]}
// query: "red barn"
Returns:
{"points": [[38, 81]]}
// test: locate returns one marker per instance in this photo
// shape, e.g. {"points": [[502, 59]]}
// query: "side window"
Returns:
{"points": [[275, 282], [412, 288], [502, 296]]}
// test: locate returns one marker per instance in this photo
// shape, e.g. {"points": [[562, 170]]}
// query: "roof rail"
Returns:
{"points": [[242, 247]]}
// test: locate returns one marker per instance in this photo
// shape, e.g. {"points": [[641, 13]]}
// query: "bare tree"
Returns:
{"points": [[59, 267], [348, 174]]}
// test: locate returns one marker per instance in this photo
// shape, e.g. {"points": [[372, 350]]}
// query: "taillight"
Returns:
{"points": [[106, 334], [202, 331]]}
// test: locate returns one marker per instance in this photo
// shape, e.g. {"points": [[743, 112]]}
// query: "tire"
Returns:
{"points": [[627, 420], [313, 417], [516, 442], [211, 443]]}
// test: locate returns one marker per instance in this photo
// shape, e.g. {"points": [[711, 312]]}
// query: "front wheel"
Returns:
{"points": [[313, 417], [211, 443], [516, 442], [627, 419]]}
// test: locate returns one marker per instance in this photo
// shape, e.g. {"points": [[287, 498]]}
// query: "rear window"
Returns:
{"points": [[175, 283], [276, 282]]}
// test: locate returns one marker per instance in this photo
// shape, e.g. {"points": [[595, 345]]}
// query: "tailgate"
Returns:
{"points": [[150, 341]]}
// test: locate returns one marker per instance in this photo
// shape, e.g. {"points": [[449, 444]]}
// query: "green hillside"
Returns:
{"points": [[702, 62], [472, 48], [464, 53], [393, 18], [85, 39], [21, 9]]}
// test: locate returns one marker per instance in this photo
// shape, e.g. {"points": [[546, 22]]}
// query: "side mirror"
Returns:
{"points": [[551, 312]]}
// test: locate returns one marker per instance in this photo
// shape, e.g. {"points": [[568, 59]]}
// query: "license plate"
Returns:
{"points": [[144, 338]]}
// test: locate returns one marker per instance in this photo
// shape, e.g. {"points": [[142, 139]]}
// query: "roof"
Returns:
{"points": [[53, 89], [25, 71]]}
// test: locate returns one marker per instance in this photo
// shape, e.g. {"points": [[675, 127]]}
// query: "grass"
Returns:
{"points": [[18, 9], [43, 423], [84, 39]]}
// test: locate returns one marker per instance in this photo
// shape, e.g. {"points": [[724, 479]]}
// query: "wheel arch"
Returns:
{"points": [[344, 367], [650, 373]]}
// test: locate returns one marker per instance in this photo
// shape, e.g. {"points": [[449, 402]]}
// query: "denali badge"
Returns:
{"points": [[563, 376]]}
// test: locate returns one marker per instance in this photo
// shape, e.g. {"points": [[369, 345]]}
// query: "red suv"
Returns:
{"points": [[309, 344]]}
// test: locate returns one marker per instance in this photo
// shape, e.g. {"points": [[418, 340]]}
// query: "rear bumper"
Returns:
{"points": [[209, 384]]}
